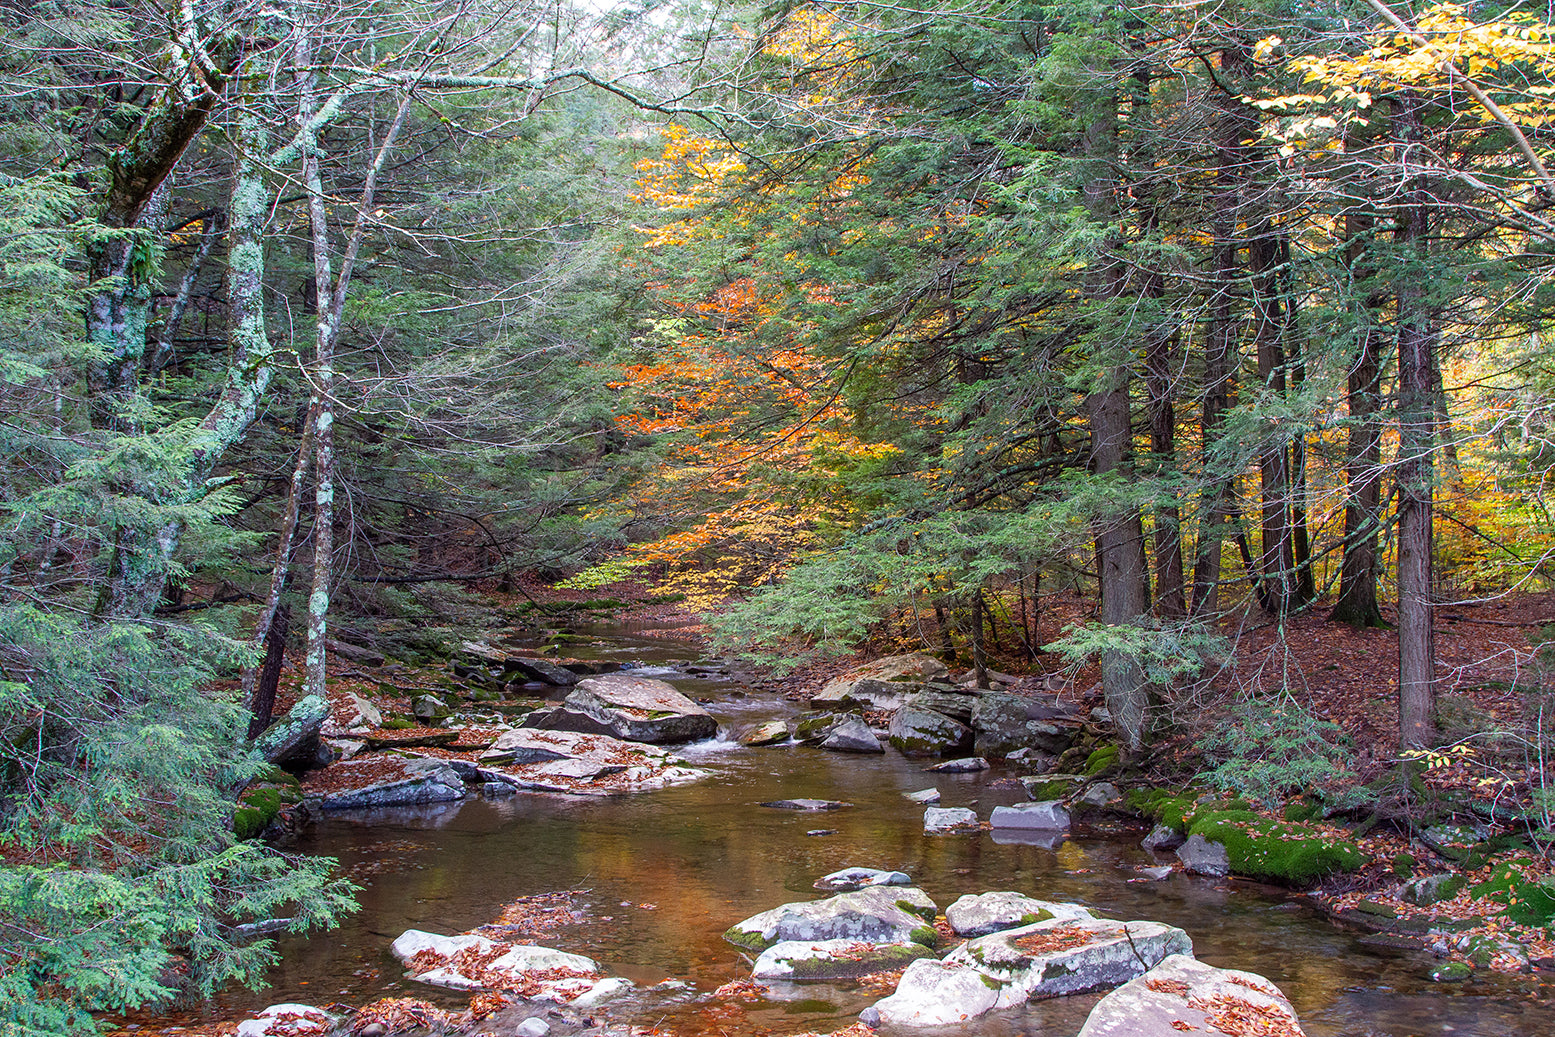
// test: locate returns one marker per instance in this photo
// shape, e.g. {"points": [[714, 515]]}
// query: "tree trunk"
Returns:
{"points": [[1416, 427], [1276, 560], [261, 703], [1357, 604]]}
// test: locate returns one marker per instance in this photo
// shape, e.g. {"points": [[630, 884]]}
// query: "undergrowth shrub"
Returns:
{"points": [[1270, 748]]}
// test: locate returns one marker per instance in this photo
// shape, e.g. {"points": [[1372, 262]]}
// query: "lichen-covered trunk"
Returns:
{"points": [[1416, 441]]}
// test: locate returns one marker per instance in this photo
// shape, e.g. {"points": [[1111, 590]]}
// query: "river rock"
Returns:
{"points": [[939, 820], [916, 731], [882, 684], [834, 959], [636, 709], [852, 736], [1004, 724], [1051, 959], [527, 745], [1163, 839], [805, 804], [984, 913], [287, 1020], [471, 962], [937, 993], [947, 700], [1203, 857], [849, 879], [876, 914], [387, 782], [542, 671], [1166, 1003], [1048, 815], [812, 728], [965, 765], [1050, 786], [573, 763], [923, 797], [1102, 795], [773, 732]]}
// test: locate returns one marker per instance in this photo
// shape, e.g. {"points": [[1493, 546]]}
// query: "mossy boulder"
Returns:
{"points": [[1528, 899], [263, 801], [1276, 851], [1100, 760]]}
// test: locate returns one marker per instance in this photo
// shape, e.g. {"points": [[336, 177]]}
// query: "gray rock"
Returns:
{"points": [[534, 1026], [857, 878], [965, 765], [1163, 1003], [287, 1019], [295, 737], [523, 745], [981, 914], [805, 804], [1048, 815], [542, 670], [1426, 890], [852, 736], [916, 731], [1051, 786], [1163, 839], [875, 914], [429, 709], [1102, 795], [636, 709], [558, 975], [937, 820], [423, 781], [882, 684], [834, 959], [772, 732], [1157, 872], [924, 797], [1203, 857], [812, 728], [949, 701], [1008, 723], [1008, 968], [364, 713]]}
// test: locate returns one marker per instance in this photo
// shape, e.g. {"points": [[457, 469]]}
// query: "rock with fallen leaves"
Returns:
{"points": [[983, 913], [473, 962], [1183, 995], [1008, 968], [834, 959], [637, 709], [877, 914], [382, 781], [287, 1020]]}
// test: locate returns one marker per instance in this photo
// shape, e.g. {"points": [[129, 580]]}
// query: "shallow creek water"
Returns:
{"points": [[667, 872]]}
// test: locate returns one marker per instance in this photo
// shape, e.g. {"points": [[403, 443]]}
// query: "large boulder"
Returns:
{"points": [[876, 914], [1047, 959], [980, 914], [947, 700], [1183, 995], [636, 709], [922, 732], [834, 959], [1047, 816], [882, 684], [293, 740], [384, 782], [770, 732], [1004, 724], [852, 736], [1202, 856]]}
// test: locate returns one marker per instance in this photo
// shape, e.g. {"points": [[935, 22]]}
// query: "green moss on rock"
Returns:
{"points": [[1100, 760], [924, 934], [744, 938], [1294, 854]]}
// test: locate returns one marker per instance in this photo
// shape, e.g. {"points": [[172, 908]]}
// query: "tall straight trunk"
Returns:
{"points": [[1171, 600], [1301, 541], [979, 653], [1416, 435], [1276, 559], [1217, 509], [1357, 604]]}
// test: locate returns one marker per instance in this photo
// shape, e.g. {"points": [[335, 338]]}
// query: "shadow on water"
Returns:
{"points": [[667, 872]]}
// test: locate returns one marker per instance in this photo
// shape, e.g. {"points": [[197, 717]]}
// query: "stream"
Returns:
{"points": [[667, 872]]}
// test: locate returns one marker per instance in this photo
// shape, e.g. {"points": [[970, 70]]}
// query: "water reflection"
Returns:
{"points": [[667, 872]]}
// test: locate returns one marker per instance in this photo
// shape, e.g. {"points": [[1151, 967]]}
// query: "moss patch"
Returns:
{"points": [[745, 938], [1528, 900], [1294, 854], [924, 934], [1100, 760]]}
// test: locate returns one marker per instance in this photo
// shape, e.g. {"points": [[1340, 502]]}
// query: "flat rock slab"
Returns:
{"points": [[288, 1020], [834, 959], [805, 804], [576, 764], [965, 765], [383, 781], [1183, 995], [882, 684], [1048, 959], [857, 878], [877, 914], [526, 745], [637, 709], [1047, 816], [773, 732], [983, 913], [937, 820], [924, 797], [473, 962]]}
